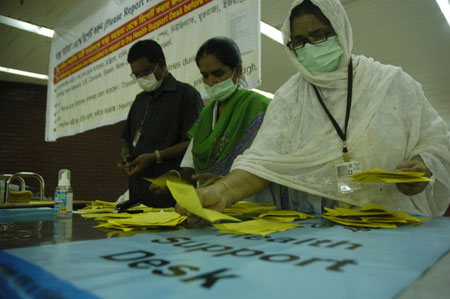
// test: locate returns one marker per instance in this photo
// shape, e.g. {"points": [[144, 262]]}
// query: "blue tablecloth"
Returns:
{"points": [[317, 260]]}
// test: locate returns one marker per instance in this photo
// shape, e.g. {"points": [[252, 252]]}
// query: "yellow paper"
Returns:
{"points": [[102, 203], [242, 208], [355, 223], [371, 215], [372, 207], [378, 175], [101, 216], [283, 219], [186, 196], [142, 221], [409, 218], [352, 212], [96, 210], [377, 171], [162, 180], [384, 179], [298, 214], [151, 218], [20, 196]]}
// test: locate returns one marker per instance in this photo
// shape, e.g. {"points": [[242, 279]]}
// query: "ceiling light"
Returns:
{"points": [[264, 93], [445, 8], [271, 32], [27, 26], [23, 73]]}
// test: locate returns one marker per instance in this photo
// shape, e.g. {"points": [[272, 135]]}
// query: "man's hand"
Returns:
{"points": [[140, 164], [416, 164], [163, 189], [158, 189], [123, 158]]}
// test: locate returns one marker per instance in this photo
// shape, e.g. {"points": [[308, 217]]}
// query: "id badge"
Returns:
{"points": [[343, 173], [137, 136]]}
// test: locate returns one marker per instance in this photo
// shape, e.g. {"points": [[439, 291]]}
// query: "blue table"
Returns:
{"points": [[320, 259]]}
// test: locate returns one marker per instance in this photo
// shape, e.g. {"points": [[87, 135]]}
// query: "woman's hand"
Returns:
{"points": [[216, 197], [416, 164], [209, 178], [140, 164]]}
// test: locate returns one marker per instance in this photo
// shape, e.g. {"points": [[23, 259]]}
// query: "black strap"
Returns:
{"points": [[341, 134]]}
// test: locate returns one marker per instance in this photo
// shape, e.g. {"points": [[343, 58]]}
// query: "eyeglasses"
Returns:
{"points": [[317, 37], [143, 73]]}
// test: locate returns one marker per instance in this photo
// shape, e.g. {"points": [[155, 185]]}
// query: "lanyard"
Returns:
{"points": [[138, 133], [341, 134]]}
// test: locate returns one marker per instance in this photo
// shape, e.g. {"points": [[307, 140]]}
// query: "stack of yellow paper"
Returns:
{"points": [[187, 197], [20, 196], [244, 208], [101, 203], [92, 209], [98, 206], [371, 215], [128, 222], [284, 215], [106, 216], [142, 221], [254, 227], [378, 175]]}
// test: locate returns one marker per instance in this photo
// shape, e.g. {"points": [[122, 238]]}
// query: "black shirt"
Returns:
{"points": [[172, 110]]}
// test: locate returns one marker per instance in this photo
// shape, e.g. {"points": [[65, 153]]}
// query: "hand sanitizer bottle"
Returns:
{"points": [[63, 193]]}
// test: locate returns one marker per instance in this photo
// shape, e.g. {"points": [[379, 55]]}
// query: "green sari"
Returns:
{"points": [[215, 150]]}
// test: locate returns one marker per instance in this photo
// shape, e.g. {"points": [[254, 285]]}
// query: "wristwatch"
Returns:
{"points": [[158, 157]]}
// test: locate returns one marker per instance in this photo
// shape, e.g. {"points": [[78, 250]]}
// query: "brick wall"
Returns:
{"points": [[91, 156]]}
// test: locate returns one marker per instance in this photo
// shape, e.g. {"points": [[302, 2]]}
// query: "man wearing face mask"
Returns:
{"points": [[155, 131]]}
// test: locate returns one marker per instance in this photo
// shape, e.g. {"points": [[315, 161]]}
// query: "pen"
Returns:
{"points": [[131, 211]]}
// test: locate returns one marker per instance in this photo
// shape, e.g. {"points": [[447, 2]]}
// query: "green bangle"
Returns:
{"points": [[176, 172], [229, 188]]}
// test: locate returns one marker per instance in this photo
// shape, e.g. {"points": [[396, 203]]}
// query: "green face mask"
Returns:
{"points": [[321, 58], [223, 90]]}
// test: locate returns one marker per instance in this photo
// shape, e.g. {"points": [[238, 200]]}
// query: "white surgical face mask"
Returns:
{"points": [[323, 57], [149, 82], [222, 90]]}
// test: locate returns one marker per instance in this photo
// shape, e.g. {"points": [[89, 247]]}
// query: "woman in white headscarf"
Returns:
{"points": [[382, 120]]}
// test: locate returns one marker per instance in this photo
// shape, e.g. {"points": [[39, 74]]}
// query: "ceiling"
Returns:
{"points": [[412, 34]]}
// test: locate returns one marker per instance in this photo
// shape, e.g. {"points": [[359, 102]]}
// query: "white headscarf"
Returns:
{"points": [[390, 122], [335, 13]]}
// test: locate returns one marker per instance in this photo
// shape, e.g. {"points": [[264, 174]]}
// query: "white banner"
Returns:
{"points": [[89, 84]]}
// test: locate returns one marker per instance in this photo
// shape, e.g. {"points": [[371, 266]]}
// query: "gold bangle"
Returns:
{"points": [[176, 172], [228, 187], [158, 157]]}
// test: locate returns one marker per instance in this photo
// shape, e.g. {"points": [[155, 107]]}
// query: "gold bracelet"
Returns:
{"points": [[158, 157], [176, 172], [228, 187]]}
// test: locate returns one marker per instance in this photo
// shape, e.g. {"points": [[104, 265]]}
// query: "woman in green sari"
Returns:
{"points": [[228, 125]]}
